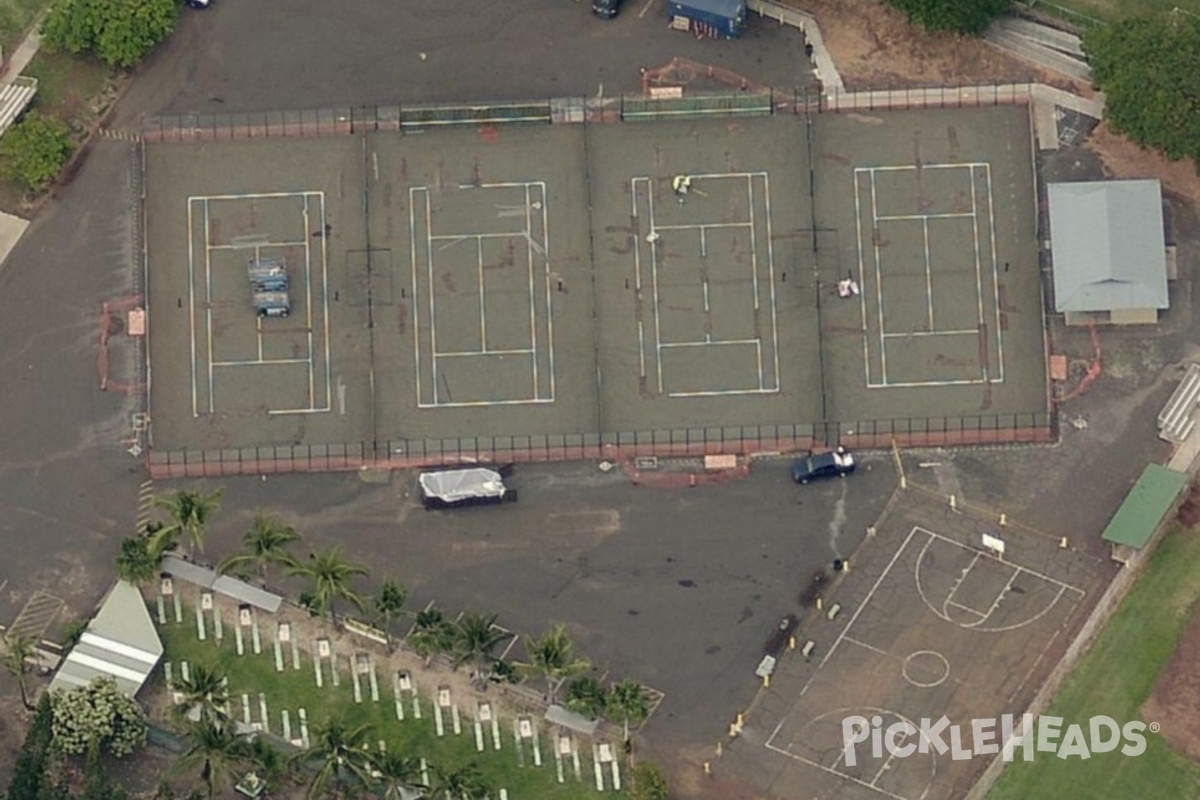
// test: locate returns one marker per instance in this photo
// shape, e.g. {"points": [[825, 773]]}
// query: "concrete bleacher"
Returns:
{"points": [[1177, 419], [15, 98]]}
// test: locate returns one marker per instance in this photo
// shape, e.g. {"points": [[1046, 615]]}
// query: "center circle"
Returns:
{"points": [[925, 669]]}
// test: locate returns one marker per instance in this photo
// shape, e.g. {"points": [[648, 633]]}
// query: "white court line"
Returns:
{"points": [[908, 217], [835, 772], [645, 8], [717, 343], [867, 600], [913, 167], [308, 309], [534, 249], [988, 556], [192, 304], [910, 334], [878, 282], [771, 279], [261, 362], [654, 284], [962, 576], [928, 275], [702, 225], [258, 245], [995, 274], [978, 261], [208, 299], [1000, 598], [458, 353], [862, 278], [968, 609]]}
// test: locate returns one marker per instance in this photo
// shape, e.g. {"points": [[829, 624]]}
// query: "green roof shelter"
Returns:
{"points": [[1143, 510]]}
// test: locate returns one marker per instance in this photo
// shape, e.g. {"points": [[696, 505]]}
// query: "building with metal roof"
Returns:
{"points": [[1109, 251], [120, 642], [1144, 509]]}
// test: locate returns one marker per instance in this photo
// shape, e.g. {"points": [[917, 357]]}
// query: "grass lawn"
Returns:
{"points": [[1115, 677], [295, 689], [1080, 11], [67, 84], [16, 17]]}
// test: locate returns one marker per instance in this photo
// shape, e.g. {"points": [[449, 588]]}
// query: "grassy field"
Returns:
{"points": [[1115, 677], [16, 18], [1083, 11], [296, 689], [67, 84]]}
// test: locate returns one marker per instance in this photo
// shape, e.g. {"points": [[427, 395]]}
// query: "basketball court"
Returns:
{"points": [[932, 623]]}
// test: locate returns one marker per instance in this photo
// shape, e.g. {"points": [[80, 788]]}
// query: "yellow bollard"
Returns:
{"points": [[818, 604], [1003, 520], [766, 681], [707, 768], [791, 643]]}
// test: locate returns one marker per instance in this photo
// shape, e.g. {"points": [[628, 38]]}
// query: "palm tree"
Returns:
{"points": [[330, 575], [218, 750], [432, 634], [461, 783], [137, 562], [627, 701], [394, 776], [550, 657], [190, 511], [340, 756], [389, 604], [587, 696], [20, 650], [205, 692], [267, 760], [476, 637], [265, 544]]}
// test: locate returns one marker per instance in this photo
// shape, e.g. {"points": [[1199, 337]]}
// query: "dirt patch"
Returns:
{"points": [[1175, 703], [875, 47], [1125, 159]]}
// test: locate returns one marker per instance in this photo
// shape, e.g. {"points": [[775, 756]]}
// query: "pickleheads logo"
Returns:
{"points": [[984, 737]]}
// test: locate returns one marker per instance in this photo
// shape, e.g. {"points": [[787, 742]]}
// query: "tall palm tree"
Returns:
{"points": [[587, 696], [458, 783], [394, 776], [218, 750], [389, 604], [340, 755], [476, 637], [20, 650], [137, 561], [330, 575], [550, 657], [628, 702], [432, 634], [205, 692], [190, 511], [265, 544]]}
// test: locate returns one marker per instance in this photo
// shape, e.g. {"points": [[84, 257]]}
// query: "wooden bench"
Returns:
{"points": [[15, 98]]}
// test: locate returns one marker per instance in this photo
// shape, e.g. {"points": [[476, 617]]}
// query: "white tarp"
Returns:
{"points": [[462, 484]]}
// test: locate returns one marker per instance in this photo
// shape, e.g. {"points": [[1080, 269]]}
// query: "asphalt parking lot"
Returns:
{"points": [[676, 588]]}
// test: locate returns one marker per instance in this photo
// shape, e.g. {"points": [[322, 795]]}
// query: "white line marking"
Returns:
{"points": [[911, 334], [192, 305], [208, 299], [928, 275], [645, 8], [878, 280], [995, 275]]}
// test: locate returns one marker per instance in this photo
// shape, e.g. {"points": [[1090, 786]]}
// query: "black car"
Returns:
{"points": [[606, 8], [199, 3], [825, 465]]}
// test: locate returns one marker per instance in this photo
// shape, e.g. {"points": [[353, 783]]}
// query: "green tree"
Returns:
{"points": [[34, 150], [475, 640], [219, 752], [432, 634], [191, 510], [1147, 67], [389, 604], [958, 16], [30, 772], [340, 757], [646, 782], [394, 776], [97, 713], [458, 783], [137, 561], [204, 696], [628, 702], [551, 658], [119, 32], [265, 545], [587, 696], [330, 575], [20, 654]]}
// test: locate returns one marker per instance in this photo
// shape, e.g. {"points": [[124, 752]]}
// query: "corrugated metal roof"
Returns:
{"points": [[120, 642], [227, 585], [1145, 506], [1107, 242]]}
